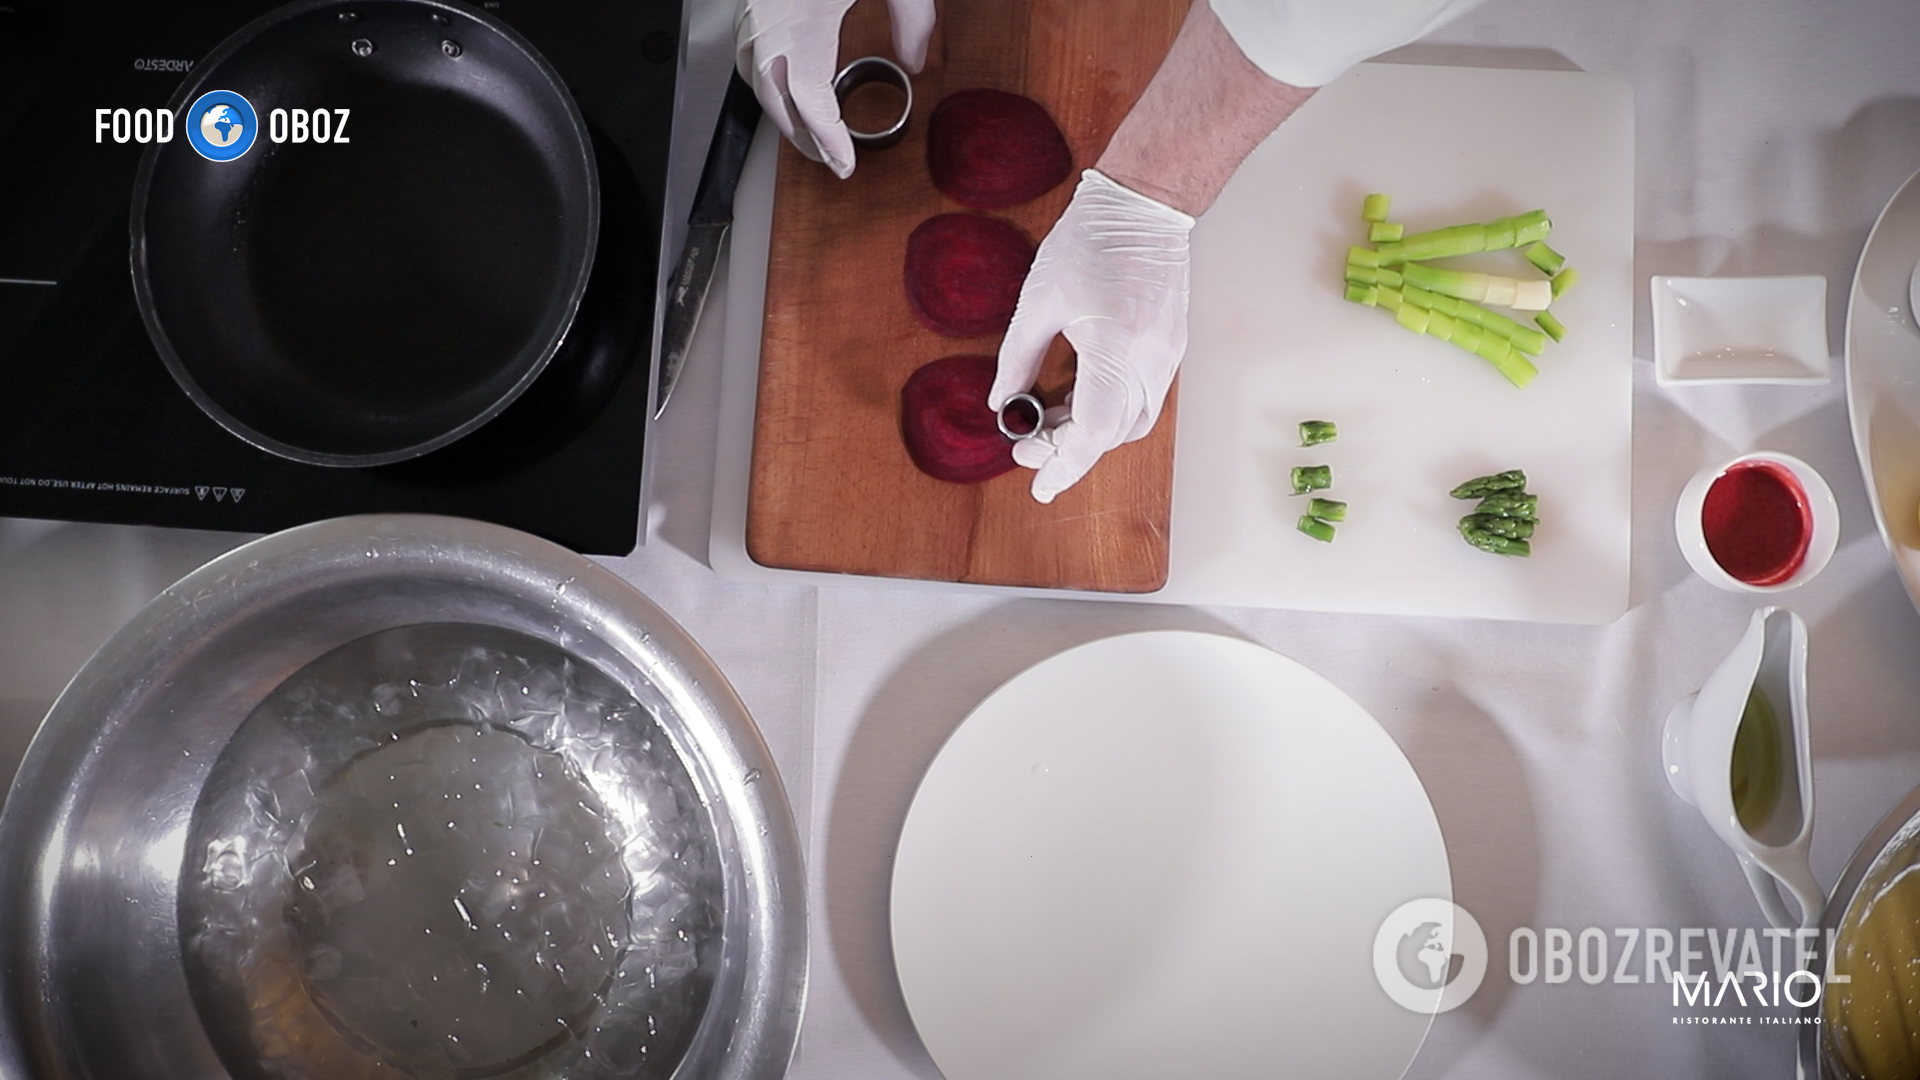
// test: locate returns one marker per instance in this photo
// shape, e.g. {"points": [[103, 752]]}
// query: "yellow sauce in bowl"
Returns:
{"points": [[1873, 1022]]}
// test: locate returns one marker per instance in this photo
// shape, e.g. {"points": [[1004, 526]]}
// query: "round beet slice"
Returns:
{"points": [[964, 273], [950, 433], [989, 149]]}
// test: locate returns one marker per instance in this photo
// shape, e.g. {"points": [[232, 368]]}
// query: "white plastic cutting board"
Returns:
{"points": [[1272, 342]]}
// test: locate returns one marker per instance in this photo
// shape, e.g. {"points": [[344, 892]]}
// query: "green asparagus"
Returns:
{"points": [[1315, 432], [1548, 260], [1498, 545], [1482, 486], [1511, 528], [1374, 207], [1311, 478], [1327, 509], [1518, 505], [1315, 528], [1454, 240], [1497, 289], [1374, 275]]}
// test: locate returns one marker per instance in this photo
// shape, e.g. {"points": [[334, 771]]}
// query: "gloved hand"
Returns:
{"points": [[1112, 276], [787, 51]]}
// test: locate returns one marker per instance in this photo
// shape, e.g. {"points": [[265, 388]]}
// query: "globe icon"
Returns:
{"points": [[221, 125], [1426, 957]]}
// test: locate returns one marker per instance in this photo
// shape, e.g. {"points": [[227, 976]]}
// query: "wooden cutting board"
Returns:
{"points": [[831, 486]]}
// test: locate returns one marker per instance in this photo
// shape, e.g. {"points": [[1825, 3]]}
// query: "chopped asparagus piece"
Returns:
{"points": [[1362, 256], [1381, 231], [1472, 285], [1511, 528], [1551, 325], [1363, 294], [1548, 260], [1308, 478], [1498, 545], [1315, 528], [1374, 207], [1373, 275], [1466, 239], [1412, 316], [1564, 280], [1482, 486], [1327, 509], [1315, 432], [1511, 504]]}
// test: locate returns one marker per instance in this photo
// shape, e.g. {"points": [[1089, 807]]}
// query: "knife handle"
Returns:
{"points": [[726, 155]]}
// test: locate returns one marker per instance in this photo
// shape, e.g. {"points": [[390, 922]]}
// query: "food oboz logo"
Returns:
{"points": [[1430, 955], [221, 125]]}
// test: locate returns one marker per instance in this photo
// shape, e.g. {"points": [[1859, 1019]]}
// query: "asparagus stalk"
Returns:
{"points": [[1511, 504], [1315, 528], [1374, 275], [1327, 509], [1511, 528], [1463, 329], [1385, 231], [1374, 207], [1498, 545], [1524, 338], [1493, 235], [1564, 280], [1308, 478], [1551, 325], [1315, 432], [1482, 486], [1473, 285]]}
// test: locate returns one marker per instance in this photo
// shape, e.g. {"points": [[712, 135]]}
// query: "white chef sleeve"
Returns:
{"points": [[1311, 42]]}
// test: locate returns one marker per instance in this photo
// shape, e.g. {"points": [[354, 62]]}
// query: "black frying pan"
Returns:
{"points": [[364, 302]]}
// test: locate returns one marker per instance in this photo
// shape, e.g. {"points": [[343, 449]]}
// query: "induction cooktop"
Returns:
{"points": [[93, 427]]}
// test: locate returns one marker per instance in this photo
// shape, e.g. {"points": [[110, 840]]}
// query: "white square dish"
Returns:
{"points": [[1740, 330]]}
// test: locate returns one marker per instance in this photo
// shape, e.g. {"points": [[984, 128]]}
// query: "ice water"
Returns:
{"points": [[450, 850]]}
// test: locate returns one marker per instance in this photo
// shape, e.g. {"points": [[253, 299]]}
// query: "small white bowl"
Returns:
{"points": [[1740, 330], [1689, 531]]}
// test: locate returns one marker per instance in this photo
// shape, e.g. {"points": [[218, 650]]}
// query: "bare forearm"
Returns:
{"points": [[1206, 109]]}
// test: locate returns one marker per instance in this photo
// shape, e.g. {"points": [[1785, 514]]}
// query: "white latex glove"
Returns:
{"points": [[1112, 276], [787, 50]]}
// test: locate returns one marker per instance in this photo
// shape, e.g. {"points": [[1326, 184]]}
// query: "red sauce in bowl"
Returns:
{"points": [[1758, 523]]}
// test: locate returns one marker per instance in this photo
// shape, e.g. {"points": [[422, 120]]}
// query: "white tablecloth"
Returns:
{"points": [[1770, 134]]}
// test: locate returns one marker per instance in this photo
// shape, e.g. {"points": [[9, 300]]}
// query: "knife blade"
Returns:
{"points": [[707, 230]]}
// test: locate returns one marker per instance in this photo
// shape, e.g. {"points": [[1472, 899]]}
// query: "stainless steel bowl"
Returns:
{"points": [[94, 975], [1892, 846]]}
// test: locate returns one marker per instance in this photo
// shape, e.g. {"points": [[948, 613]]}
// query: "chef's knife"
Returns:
{"points": [[707, 231]]}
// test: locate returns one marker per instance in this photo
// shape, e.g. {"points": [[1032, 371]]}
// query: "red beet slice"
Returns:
{"points": [[950, 433], [989, 149], [964, 273]]}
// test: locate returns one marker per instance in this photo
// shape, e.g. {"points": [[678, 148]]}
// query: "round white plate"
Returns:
{"points": [[1162, 854], [1883, 378]]}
